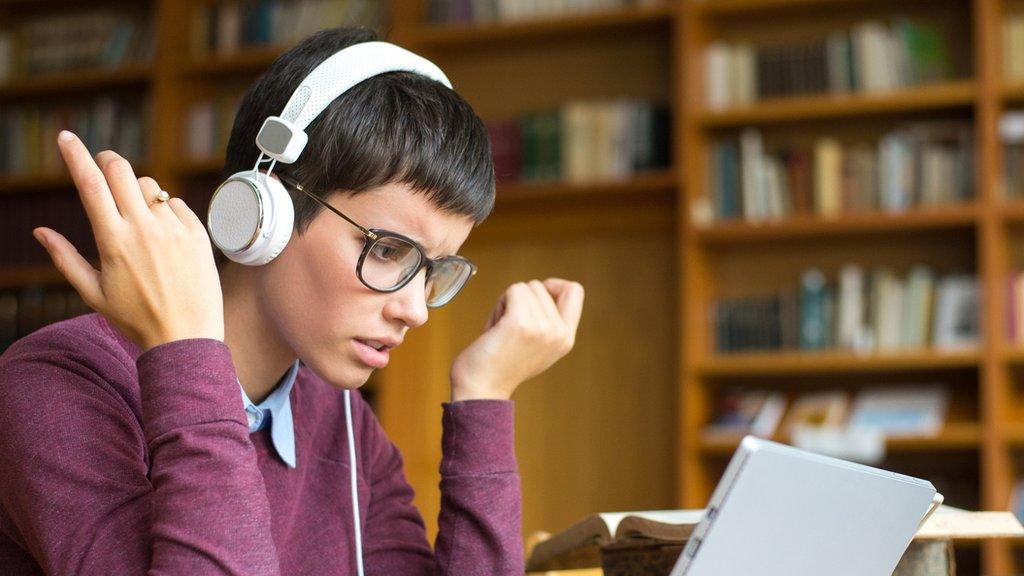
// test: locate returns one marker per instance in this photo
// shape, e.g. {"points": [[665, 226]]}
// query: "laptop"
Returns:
{"points": [[780, 511]]}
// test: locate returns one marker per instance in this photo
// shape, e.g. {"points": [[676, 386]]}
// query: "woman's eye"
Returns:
{"points": [[385, 253]]}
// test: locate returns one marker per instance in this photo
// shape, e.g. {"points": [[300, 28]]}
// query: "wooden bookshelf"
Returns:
{"points": [[1013, 212], [954, 437], [712, 254], [938, 97], [803, 226], [77, 81], [248, 61], [824, 363], [654, 184], [42, 274], [27, 183], [640, 19], [725, 8]]}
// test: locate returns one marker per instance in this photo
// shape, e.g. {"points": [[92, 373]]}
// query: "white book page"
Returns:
{"points": [[688, 517]]}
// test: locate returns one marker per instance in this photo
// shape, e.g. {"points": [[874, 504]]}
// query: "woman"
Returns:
{"points": [[196, 423]]}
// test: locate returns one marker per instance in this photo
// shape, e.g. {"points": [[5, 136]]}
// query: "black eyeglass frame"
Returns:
{"points": [[372, 235]]}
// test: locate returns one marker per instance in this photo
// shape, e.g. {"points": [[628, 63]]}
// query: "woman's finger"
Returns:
{"points": [[124, 186], [496, 313], [78, 271], [569, 298], [186, 215], [150, 190], [546, 302], [92, 186]]}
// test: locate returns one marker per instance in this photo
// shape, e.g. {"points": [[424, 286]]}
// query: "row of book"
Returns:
{"points": [[226, 27], [1011, 135], [208, 126], [28, 309], [1015, 308], [858, 311], [21, 213], [921, 164], [1013, 46], [893, 411], [870, 57], [480, 11], [582, 141], [28, 132], [70, 41]]}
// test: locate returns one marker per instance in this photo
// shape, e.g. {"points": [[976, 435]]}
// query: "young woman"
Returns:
{"points": [[196, 423]]}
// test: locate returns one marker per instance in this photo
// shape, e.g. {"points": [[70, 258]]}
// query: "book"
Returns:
{"points": [[957, 312], [902, 411], [915, 165], [578, 545], [645, 542], [748, 412], [226, 27], [870, 56], [817, 410], [814, 311]]}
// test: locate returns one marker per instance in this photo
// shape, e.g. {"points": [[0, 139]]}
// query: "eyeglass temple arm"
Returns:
{"points": [[299, 187]]}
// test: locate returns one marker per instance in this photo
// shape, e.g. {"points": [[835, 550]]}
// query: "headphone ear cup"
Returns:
{"points": [[250, 218]]}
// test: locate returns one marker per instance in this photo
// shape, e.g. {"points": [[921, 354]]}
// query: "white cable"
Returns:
{"points": [[352, 474]]}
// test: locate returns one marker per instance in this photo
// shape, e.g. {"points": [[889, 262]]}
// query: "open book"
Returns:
{"points": [[579, 546]]}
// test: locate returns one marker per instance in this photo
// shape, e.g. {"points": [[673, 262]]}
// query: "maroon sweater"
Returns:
{"points": [[115, 461]]}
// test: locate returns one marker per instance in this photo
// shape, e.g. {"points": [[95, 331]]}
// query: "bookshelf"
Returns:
{"points": [[982, 236]]}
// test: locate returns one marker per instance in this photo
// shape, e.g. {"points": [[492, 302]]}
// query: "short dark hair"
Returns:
{"points": [[397, 127]]}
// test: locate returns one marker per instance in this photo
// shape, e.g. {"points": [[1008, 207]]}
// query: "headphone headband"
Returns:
{"points": [[284, 137]]}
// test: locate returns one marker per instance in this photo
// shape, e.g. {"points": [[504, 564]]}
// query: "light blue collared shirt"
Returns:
{"points": [[276, 410]]}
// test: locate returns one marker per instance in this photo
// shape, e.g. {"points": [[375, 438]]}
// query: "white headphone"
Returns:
{"points": [[251, 215]]}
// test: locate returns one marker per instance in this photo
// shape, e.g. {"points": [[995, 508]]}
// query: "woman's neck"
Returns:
{"points": [[260, 356]]}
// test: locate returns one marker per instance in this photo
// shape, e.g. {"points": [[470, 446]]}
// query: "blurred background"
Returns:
{"points": [[801, 219]]}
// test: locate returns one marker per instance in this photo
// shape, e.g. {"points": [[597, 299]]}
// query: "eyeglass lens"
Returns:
{"points": [[390, 261]]}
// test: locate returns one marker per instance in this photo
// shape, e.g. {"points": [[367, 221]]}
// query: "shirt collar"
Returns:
{"points": [[278, 407]]}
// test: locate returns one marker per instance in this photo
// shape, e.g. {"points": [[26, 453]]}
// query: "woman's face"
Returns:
{"points": [[314, 298]]}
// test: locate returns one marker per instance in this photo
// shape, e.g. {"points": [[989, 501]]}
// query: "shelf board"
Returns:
{"points": [[1013, 434], [1013, 211], [459, 35], [660, 183], [19, 276], [805, 226], [956, 436], [1014, 356], [797, 363], [17, 184], [243, 61], [24, 183], [74, 81], [656, 183], [739, 7], [200, 167], [948, 95], [1012, 90]]}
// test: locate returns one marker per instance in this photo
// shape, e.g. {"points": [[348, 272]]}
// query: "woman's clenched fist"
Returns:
{"points": [[532, 326]]}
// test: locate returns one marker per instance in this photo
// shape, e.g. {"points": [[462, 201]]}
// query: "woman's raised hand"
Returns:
{"points": [[157, 280]]}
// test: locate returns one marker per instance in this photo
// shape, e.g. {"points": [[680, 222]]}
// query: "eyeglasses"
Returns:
{"points": [[390, 260]]}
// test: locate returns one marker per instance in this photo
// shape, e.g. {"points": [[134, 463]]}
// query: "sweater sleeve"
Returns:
{"points": [[88, 489], [480, 523]]}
